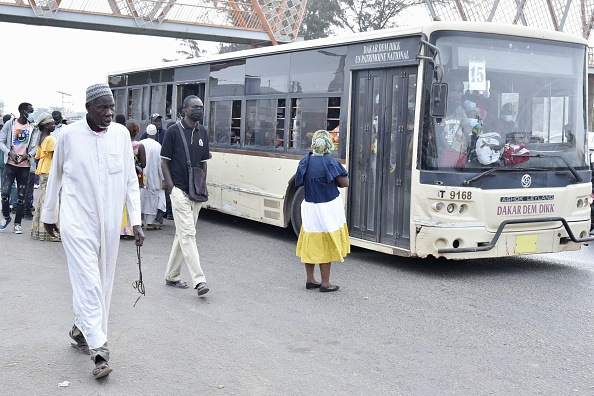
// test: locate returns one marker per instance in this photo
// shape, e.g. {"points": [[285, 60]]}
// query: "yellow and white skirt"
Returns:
{"points": [[324, 235]]}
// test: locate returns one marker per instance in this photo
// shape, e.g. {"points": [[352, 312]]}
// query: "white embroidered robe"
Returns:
{"points": [[96, 174]]}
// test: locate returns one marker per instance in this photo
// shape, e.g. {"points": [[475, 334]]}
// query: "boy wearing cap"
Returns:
{"points": [[93, 165], [157, 121]]}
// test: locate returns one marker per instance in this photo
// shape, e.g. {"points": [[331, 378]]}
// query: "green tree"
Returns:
{"points": [[369, 15], [189, 49], [320, 18], [225, 48]]}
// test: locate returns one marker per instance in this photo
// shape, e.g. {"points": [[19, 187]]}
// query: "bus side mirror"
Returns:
{"points": [[439, 100]]}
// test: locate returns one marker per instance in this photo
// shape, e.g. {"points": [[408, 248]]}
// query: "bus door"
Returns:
{"points": [[380, 157]]}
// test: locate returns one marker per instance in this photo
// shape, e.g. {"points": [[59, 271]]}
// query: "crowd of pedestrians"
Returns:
{"points": [[119, 186]]}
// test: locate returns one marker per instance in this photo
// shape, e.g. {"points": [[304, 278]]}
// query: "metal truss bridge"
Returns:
{"points": [[569, 16], [256, 22]]}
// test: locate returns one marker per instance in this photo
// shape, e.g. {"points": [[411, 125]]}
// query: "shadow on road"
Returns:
{"points": [[429, 267], [241, 224], [432, 267]]}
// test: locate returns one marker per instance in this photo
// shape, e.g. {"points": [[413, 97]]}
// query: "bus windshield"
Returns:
{"points": [[512, 102]]}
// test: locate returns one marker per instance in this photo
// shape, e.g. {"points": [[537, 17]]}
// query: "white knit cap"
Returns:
{"points": [[97, 90], [151, 130]]}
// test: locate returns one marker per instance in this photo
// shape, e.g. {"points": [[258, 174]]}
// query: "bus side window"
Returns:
{"points": [[236, 122], [266, 134]]}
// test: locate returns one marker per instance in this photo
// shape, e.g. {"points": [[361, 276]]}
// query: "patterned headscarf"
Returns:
{"points": [[44, 118], [321, 143]]}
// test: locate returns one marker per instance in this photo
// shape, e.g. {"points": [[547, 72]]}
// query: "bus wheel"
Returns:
{"points": [[296, 210]]}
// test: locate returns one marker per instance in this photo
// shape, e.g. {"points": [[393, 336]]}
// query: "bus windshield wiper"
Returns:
{"points": [[578, 178], [491, 170], [479, 176]]}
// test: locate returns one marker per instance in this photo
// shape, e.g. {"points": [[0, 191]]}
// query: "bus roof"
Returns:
{"points": [[426, 29]]}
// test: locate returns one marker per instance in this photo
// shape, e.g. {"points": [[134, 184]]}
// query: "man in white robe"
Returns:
{"points": [[152, 196], [93, 166]]}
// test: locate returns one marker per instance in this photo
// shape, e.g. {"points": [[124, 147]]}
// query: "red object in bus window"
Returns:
{"points": [[515, 154]]}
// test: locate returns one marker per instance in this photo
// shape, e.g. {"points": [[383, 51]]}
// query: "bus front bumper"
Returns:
{"points": [[513, 237]]}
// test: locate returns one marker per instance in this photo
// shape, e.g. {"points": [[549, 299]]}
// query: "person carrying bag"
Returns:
{"points": [[184, 153], [196, 176]]}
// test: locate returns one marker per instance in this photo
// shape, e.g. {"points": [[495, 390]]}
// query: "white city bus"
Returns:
{"points": [[382, 96]]}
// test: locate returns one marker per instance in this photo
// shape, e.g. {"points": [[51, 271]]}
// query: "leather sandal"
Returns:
{"points": [[178, 283], [102, 370]]}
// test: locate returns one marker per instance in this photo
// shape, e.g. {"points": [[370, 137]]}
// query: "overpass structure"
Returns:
{"points": [[569, 16], [255, 22]]}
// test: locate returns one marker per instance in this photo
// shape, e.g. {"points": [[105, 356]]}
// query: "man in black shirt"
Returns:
{"points": [[185, 211]]}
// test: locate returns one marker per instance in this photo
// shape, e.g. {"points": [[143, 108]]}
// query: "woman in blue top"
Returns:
{"points": [[324, 236]]}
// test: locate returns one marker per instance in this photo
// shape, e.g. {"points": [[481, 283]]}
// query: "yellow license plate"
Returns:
{"points": [[526, 243]]}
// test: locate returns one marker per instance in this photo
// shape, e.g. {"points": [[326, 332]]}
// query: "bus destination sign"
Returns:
{"points": [[382, 52], [379, 53]]}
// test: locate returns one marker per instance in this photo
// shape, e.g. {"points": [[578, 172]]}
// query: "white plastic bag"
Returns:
{"points": [[489, 147]]}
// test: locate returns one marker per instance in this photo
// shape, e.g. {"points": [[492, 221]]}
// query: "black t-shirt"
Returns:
{"points": [[173, 150]]}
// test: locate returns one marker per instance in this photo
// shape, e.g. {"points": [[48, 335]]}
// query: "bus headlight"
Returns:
{"points": [[451, 208], [583, 202], [437, 206]]}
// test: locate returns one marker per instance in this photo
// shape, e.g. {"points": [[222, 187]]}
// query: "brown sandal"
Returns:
{"points": [[102, 370]]}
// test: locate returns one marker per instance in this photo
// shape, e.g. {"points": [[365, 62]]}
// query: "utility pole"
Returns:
{"points": [[63, 94]]}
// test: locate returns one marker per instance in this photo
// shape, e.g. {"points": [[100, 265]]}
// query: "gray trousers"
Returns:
{"points": [[79, 337]]}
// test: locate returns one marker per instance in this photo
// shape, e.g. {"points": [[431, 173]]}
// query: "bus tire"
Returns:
{"points": [[296, 209]]}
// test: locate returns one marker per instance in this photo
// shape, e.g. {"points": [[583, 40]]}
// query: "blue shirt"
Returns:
{"points": [[317, 174]]}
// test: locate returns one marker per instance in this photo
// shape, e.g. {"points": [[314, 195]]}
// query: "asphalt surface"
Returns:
{"points": [[516, 326]]}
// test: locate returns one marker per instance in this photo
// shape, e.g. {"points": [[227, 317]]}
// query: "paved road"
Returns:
{"points": [[519, 326]]}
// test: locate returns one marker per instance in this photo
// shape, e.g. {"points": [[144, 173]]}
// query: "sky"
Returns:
{"points": [[39, 61]]}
